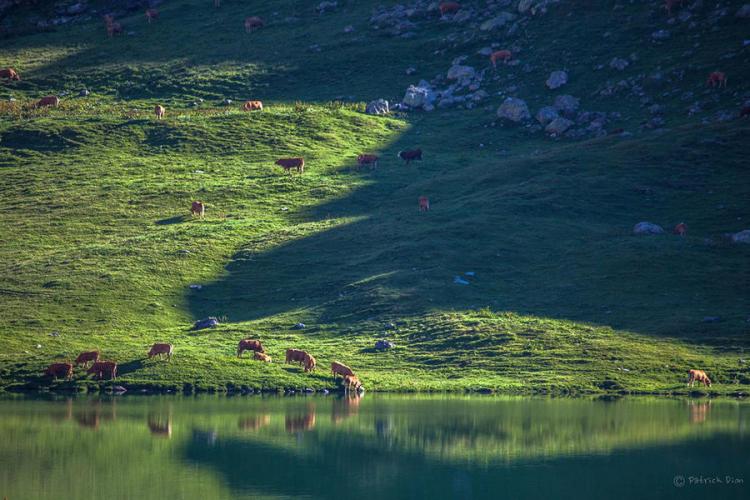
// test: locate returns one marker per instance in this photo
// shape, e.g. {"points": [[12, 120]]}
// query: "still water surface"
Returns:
{"points": [[374, 447]]}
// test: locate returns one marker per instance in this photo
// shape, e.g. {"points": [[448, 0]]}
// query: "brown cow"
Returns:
{"points": [[249, 345], [198, 208], [10, 74], [50, 100], [680, 229], [85, 357], [366, 159], [113, 28], [698, 376], [292, 163], [252, 23], [56, 370], [500, 55], [100, 368], [352, 382], [295, 356], [253, 106], [152, 15], [449, 8], [159, 349], [259, 356], [340, 369], [310, 363], [424, 204], [159, 111], [717, 78], [410, 155]]}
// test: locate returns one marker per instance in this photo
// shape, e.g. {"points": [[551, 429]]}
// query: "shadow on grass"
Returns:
{"points": [[177, 219]]}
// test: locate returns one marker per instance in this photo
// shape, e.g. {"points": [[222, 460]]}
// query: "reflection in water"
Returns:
{"points": [[377, 447]]}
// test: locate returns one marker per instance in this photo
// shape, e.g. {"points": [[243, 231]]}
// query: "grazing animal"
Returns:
{"points": [[159, 111], [668, 4], [295, 356], [371, 160], [198, 208], [259, 356], [352, 382], [100, 368], [64, 370], [159, 349], [292, 163], [500, 55], [253, 106], [10, 74], [744, 111], [680, 229], [152, 15], [717, 78], [249, 345], [449, 8], [253, 23], [698, 376], [340, 369], [113, 27], [85, 357], [410, 155], [310, 363], [424, 204], [50, 100]]}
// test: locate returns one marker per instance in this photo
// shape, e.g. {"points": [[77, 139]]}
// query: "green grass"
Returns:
{"points": [[95, 197]]}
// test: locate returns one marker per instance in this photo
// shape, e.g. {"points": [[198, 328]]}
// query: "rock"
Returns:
{"points": [[326, 7], [76, 8], [382, 345], [485, 51], [557, 79], [84, 93], [567, 104], [458, 280], [118, 389], [209, 322], [196, 287], [742, 237], [660, 35], [299, 326], [647, 228], [349, 29], [711, 319], [227, 102], [524, 5], [744, 11], [411, 70], [377, 107], [418, 96], [546, 115], [461, 73], [390, 326], [497, 22], [558, 126], [619, 63], [514, 109]]}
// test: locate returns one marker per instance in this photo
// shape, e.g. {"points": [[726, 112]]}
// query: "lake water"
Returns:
{"points": [[149, 447]]}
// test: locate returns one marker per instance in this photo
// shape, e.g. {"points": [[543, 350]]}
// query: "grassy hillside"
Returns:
{"points": [[99, 245]]}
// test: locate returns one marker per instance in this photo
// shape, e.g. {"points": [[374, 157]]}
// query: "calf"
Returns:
{"points": [[680, 229], [253, 106], [259, 356], [50, 100], [292, 163], [152, 15], [198, 208], [371, 160], [424, 204], [500, 55], [253, 23], [340, 369], [449, 8], [100, 368], [352, 382], [309, 363], [295, 356], [10, 74], [249, 345], [698, 376], [159, 349], [410, 155], [85, 357], [64, 370], [159, 111], [717, 78]]}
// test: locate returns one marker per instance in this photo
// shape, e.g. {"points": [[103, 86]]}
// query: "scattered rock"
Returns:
{"points": [[326, 7], [77, 8], [660, 35], [546, 115], [557, 79], [744, 11], [461, 73], [118, 389], [712, 319], [514, 109], [377, 107], [299, 326], [417, 97], [558, 126], [196, 287], [84, 93], [458, 280], [227, 102], [567, 104], [647, 228], [349, 29], [382, 345], [619, 63], [497, 22], [411, 70], [742, 237], [209, 322], [390, 326], [524, 5]]}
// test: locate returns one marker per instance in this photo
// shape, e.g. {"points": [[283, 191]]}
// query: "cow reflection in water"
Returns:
{"points": [[92, 415], [345, 407], [254, 423], [158, 425], [698, 411], [295, 423]]}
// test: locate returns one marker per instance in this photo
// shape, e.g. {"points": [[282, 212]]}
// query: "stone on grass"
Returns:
{"points": [[546, 115], [202, 324], [647, 228], [557, 79], [382, 345], [514, 109], [377, 107], [299, 326], [741, 237], [558, 126]]}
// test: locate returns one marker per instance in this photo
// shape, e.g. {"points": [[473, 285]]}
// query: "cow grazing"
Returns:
{"points": [[669, 4], [253, 23], [424, 204], [152, 15], [10, 74], [449, 8], [259, 356], [680, 229], [113, 27], [717, 78], [57, 370], [292, 163], [500, 55], [85, 357], [249, 345], [198, 208], [698, 376], [310, 363], [161, 349], [50, 100], [410, 155], [371, 160], [253, 106], [352, 382], [159, 111], [295, 356], [101, 368], [340, 369]]}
